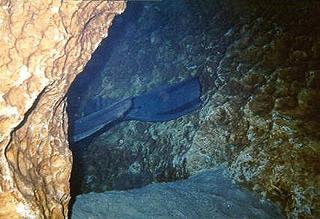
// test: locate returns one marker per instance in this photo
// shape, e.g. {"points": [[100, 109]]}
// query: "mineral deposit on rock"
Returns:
{"points": [[44, 44]]}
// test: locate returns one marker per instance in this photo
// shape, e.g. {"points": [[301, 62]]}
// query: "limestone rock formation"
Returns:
{"points": [[44, 44]]}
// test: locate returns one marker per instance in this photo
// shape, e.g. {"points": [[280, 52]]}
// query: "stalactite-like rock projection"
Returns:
{"points": [[44, 44]]}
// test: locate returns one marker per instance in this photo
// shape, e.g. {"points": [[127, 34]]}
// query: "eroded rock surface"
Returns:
{"points": [[44, 44]]}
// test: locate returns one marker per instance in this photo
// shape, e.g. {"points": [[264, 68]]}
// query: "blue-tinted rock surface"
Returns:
{"points": [[209, 194]]}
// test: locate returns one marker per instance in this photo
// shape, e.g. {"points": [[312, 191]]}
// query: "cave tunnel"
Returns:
{"points": [[258, 72]]}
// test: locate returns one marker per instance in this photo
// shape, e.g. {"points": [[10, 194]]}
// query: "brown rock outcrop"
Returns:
{"points": [[44, 44]]}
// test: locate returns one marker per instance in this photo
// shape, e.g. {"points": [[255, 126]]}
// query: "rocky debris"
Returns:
{"points": [[208, 194], [43, 46], [259, 67]]}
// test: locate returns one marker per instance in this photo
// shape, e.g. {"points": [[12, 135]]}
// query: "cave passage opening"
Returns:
{"points": [[151, 44]]}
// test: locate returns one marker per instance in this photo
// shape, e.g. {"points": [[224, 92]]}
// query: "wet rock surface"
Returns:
{"points": [[208, 194], [260, 74], [43, 46]]}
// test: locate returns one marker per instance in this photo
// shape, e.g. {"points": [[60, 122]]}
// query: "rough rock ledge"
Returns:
{"points": [[208, 194]]}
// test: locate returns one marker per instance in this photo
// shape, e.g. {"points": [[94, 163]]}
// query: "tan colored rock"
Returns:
{"points": [[44, 44]]}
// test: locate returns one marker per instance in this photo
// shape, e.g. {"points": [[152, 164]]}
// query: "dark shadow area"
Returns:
{"points": [[79, 88], [100, 57]]}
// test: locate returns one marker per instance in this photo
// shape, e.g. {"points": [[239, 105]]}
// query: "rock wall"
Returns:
{"points": [[44, 44], [263, 121]]}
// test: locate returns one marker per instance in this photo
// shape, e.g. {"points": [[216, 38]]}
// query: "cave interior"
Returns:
{"points": [[258, 66]]}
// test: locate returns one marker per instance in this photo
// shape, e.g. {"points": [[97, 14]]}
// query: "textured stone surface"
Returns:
{"points": [[263, 122], [44, 44], [209, 194], [259, 67]]}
